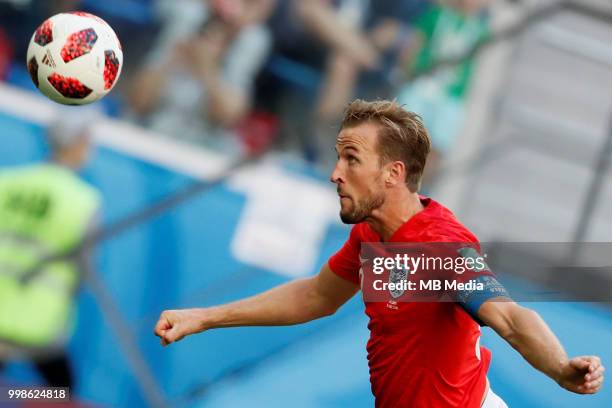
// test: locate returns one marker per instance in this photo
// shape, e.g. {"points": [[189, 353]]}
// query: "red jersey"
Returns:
{"points": [[420, 354]]}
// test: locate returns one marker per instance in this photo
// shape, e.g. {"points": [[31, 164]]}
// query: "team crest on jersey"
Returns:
{"points": [[397, 276]]}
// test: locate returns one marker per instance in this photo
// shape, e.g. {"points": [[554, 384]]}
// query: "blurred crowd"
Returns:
{"points": [[245, 75]]}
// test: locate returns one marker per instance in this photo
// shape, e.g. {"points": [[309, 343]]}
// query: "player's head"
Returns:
{"points": [[381, 148], [69, 135]]}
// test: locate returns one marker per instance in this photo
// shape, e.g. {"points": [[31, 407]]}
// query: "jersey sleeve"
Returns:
{"points": [[485, 284], [345, 263]]}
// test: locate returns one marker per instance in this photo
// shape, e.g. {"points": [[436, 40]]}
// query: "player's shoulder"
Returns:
{"points": [[438, 224]]}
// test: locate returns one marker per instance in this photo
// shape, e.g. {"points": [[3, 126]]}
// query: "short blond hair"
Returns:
{"points": [[401, 136]]}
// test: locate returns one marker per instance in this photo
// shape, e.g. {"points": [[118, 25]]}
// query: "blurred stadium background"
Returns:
{"points": [[516, 92]]}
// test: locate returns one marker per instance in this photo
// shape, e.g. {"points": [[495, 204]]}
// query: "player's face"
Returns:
{"points": [[358, 174]]}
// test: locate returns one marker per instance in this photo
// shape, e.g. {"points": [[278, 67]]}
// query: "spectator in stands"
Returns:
{"points": [[321, 48], [197, 82], [448, 29], [305, 32], [45, 210], [387, 28]]}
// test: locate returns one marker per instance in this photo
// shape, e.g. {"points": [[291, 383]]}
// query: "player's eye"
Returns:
{"points": [[352, 159]]}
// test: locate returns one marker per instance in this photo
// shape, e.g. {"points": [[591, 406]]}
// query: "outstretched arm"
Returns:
{"points": [[525, 330], [295, 302]]}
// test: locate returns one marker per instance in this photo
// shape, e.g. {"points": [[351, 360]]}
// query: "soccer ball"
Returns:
{"points": [[74, 58]]}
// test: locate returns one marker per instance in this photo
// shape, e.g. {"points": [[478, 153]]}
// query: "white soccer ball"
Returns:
{"points": [[74, 58]]}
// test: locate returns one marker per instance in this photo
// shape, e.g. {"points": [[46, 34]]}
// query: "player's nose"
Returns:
{"points": [[336, 175]]}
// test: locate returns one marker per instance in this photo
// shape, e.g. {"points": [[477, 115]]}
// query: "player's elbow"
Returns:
{"points": [[319, 305], [328, 310], [322, 308]]}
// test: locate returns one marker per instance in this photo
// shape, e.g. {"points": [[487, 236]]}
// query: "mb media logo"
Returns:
{"points": [[48, 60]]}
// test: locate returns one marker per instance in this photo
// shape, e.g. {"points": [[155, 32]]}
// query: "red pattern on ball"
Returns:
{"points": [[33, 70], [44, 33], [78, 44], [111, 67], [68, 87]]}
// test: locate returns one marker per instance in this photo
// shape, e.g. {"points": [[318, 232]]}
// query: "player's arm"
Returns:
{"points": [[525, 330], [295, 302]]}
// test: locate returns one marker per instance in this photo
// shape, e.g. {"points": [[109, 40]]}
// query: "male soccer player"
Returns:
{"points": [[421, 354]]}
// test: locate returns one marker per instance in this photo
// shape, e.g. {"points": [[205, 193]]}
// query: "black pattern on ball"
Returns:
{"points": [[69, 87], [44, 33], [33, 70]]}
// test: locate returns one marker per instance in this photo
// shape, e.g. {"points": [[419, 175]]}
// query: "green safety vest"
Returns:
{"points": [[44, 209]]}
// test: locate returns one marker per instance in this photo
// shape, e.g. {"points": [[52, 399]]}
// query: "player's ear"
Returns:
{"points": [[395, 173]]}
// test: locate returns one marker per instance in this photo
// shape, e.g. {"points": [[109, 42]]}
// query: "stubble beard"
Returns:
{"points": [[362, 209]]}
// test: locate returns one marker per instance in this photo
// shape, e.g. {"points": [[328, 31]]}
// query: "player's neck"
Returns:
{"points": [[395, 212]]}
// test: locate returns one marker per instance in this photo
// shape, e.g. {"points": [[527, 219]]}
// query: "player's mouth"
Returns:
{"points": [[344, 197]]}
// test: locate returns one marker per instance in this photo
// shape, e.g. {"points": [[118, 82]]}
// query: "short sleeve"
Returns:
{"points": [[480, 282], [345, 263]]}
